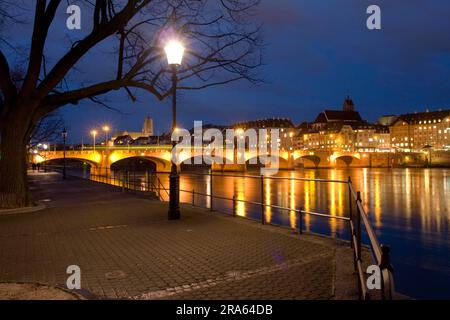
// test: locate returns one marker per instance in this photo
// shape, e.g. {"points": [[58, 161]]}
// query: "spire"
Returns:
{"points": [[348, 104]]}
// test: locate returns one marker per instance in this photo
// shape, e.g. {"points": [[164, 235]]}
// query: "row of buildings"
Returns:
{"points": [[346, 130], [337, 130]]}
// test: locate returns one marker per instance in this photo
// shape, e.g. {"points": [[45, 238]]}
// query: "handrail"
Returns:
{"points": [[380, 253], [227, 175], [268, 205]]}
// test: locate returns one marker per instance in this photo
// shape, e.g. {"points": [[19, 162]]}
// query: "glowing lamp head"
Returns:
{"points": [[174, 52], [106, 128], [94, 132]]}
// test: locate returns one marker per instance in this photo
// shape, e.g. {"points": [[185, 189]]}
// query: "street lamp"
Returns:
{"points": [[174, 52], [94, 133], [106, 129], [64, 136]]}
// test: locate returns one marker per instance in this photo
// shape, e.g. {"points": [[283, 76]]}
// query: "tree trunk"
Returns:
{"points": [[14, 191]]}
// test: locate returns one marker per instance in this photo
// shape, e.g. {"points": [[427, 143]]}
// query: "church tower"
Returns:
{"points": [[348, 104], [147, 128]]}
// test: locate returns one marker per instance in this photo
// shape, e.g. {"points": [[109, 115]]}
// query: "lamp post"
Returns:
{"points": [[64, 136], [106, 129], [94, 133], [174, 52]]}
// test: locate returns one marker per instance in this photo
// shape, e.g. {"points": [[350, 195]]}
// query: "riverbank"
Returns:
{"points": [[127, 249]]}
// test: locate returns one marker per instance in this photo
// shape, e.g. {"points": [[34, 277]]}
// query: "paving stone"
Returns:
{"points": [[126, 248]]}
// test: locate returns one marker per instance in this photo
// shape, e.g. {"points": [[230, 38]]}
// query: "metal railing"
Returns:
{"points": [[357, 218], [380, 253]]}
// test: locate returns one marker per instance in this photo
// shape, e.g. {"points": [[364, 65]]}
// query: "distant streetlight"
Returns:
{"points": [[64, 136], [106, 129], [174, 52], [94, 133]]}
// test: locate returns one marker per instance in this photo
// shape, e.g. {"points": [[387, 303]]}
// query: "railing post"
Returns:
{"points": [[358, 224], [159, 189], [358, 241], [151, 180], [211, 207], [193, 197], [387, 286], [300, 221], [234, 205], [350, 209], [263, 218]]}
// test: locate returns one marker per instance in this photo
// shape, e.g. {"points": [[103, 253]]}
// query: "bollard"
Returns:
{"points": [[193, 197], [234, 205]]}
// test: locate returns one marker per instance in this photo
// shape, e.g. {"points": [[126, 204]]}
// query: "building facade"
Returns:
{"points": [[286, 129], [420, 131], [343, 131]]}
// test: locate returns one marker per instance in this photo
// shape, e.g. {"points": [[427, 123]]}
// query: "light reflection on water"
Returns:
{"points": [[409, 209]]}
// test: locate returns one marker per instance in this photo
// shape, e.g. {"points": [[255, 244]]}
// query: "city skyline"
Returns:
{"points": [[86, 134]]}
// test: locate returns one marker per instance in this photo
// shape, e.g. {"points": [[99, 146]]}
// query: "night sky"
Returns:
{"points": [[316, 53]]}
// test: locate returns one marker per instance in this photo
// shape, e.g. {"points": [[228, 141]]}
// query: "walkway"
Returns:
{"points": [[126, 248]]}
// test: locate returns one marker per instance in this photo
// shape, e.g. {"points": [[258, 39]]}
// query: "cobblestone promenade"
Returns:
{"points": [[126, 248]]}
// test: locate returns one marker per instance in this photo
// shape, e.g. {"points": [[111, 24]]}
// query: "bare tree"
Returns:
{"points": [[224, 46], [48, 128]]}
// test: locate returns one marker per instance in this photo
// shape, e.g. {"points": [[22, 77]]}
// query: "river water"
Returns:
{"points": [[409, 209]]}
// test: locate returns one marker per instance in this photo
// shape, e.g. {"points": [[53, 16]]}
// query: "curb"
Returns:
{"points": [[22, 210]]}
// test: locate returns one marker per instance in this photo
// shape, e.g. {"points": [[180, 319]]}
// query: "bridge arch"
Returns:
{"points": [[93, 158], [347, 160], [160, 164], [309, 160], [48, 161]]}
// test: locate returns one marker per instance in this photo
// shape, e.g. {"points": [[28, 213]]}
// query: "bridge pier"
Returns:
{"points": [[216, 167]]}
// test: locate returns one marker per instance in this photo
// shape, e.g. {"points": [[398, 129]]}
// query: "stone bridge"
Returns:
{"points": [[102, 158]]}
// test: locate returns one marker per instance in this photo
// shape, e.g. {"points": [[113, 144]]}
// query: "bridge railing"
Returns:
{"points": [[357, 219]]}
